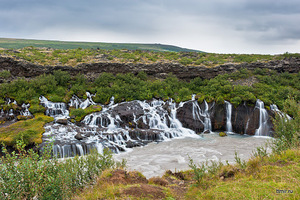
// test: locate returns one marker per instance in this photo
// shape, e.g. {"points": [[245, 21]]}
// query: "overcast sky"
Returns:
{"points": [[219, 26]]}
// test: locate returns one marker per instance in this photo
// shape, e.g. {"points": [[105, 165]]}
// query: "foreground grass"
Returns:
{"points": [[274, 177], [31, 130], [269, 177]]}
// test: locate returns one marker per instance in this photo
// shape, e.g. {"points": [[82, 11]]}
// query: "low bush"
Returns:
{"points": [[5, 74], [35, 108], [80, 113], [26, 136], [27, 175], [287, 131]]}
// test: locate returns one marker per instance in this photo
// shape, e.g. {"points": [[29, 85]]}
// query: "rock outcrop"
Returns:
{"points": [[245, 119], [157, 70]]}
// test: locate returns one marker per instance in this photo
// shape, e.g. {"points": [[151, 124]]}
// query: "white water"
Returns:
{"points": [[25, 111], [56, 110], [263, 129], [154, 159], [198, 113], [103, 129], [228, 117], [281, 114], [78, 103]]}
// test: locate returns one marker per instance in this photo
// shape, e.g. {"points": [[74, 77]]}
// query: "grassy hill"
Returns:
{"points": [[9, 43]]}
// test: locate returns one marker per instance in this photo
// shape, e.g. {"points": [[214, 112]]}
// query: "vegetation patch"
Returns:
{"points": [[270, 87], [80, 113], [28, 175], [265, 180], [144, 55], [222, 134], [30, 130]]}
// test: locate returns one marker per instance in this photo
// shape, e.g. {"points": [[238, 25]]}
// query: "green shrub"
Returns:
{"points": [[236, 101], [5, 74], [199, 171], [26, 136], [239, 161], [61, 77], [185, 61], [35, 108], [287, 132], [81, 113], [39, 177]]}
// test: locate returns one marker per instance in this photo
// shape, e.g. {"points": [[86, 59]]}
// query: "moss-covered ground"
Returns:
{"points": [[32, 129]]}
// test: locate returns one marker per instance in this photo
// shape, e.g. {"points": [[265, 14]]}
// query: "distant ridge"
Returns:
{"points": [[10, 43]]}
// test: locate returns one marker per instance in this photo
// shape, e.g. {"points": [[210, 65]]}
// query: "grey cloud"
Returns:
{"points": [[255, 21]]}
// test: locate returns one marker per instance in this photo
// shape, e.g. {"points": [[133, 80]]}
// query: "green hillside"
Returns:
{"points": [[8, 43]]}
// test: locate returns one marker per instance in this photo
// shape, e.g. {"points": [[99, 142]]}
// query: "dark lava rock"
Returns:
{"points": [[62, 121], [185, 116], [131, 144], [145, 135], [218, 117], [78, 136], [127, 110], [158, 70]]}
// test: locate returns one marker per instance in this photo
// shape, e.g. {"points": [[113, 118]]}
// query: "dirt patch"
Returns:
{"points": [[280, 163], [145, 191], [246, 82], [178, 175], [120, 176], [158, 181], [7, 123]]}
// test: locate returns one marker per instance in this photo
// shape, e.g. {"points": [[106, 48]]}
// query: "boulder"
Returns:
{"points": [[222, 134], [78, 136], [63, 121]]}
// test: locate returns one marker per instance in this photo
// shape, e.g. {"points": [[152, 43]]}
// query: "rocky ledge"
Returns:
{"points": [[157, 70]]}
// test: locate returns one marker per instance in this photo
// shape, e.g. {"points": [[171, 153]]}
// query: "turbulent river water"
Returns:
{"points": [[155, 158]]}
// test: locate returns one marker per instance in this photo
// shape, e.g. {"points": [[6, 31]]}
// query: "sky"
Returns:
{"points": [[217, 26]]}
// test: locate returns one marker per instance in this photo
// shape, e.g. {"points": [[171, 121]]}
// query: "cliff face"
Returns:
{"points": [[157, 70], [245, 119]]}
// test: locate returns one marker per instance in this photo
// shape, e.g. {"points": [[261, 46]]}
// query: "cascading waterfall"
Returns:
{"points": [[128, 124], [25, 111], [274, 108], [78, 103], [263, 129], [106, 128], [56, 110], [198, 113], [228, 117]]}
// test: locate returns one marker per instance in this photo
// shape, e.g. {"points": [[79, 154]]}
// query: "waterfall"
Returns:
{"points": [[228, 117], [193, 97], [263, 129], [78, 103], [25, 111], [198, 113], [106, 129], [56, 110], [11, 112], [89, 101], [274, 108]]}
